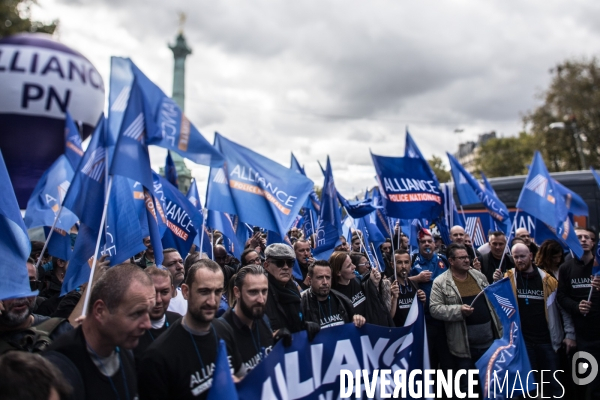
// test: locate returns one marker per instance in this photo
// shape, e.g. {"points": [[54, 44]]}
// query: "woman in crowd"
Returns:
{"points": [[549, 257], [370, 297]]}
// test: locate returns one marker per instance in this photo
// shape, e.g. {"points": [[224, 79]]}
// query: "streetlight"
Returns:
{"points": [[578, 143]]}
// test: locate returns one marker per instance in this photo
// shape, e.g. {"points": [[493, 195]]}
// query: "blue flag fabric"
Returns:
{"points": [[507, 355], [295, 165], [411, 150], [539, 196], [59, 244], [85, 198], [313, 202], [222, 387], [574, 203], [487, 184], [121, 78], [372, 238], [329, 225], [495, 207], [408, 187], [170, 127], [311, 369], [73, 150], [131, 158], [180, 214], [357, 208], [14, 243], [171, 170], [258, 190], [47, 196], [124, 229], [224, 223], [462, 183], [382, 218], [193, 197]]}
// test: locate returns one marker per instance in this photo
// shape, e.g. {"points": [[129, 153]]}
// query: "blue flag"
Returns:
{"points": [[382, 218], [180, 214], [85, 198], [193, 197], [48, 195], [574, 203], [495, 207], [357, 208], [224, 223], [462, 183], [411, 150], [59, 244], [73, 150], [121, 79], [14, 243], [408, 187], [295, 165], [372, 238], [125, 227], [131, 158], [507, 355], [487, 184], [313, 202], [171, 170], [170, 127], [258, 190], [450, 212], [539, 196], [222, 387], [329, 225]]}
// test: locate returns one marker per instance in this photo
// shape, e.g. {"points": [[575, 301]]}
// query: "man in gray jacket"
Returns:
{"points": [[471, 327]]}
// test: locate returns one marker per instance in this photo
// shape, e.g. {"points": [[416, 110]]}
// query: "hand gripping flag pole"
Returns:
{"points": [[88, 290], [393, 250]]}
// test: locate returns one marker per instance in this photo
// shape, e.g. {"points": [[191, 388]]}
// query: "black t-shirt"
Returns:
{"points": [[405, 300], [151, 334], [179, 365], [354, 292], [250, 342], [530, 297], [96, 386], [573, 286], [329, 313]]}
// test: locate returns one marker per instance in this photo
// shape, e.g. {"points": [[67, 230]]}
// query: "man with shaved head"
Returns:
{"points": [[541, 322]]}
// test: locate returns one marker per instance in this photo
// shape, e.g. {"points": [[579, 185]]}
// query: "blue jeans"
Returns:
{"points": [[543, 357]]}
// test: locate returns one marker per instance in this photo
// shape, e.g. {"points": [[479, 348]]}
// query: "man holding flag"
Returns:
{"points": [[471, 322], [579, 294]]}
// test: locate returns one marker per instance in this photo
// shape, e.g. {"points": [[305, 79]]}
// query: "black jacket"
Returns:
{"points": [[283, 306], [310, 306], [487, 266]]}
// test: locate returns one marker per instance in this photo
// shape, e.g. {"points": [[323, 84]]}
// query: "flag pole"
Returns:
{"points": [[507, 247], [88, 290], [202, 234], [312, 226], [39, 260], [374, 255], [362, 243], [393, 250]]}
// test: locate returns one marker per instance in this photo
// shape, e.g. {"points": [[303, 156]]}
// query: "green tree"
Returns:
{"points": [[506, 156], [573, 99], [15, 17], [437, 165]]}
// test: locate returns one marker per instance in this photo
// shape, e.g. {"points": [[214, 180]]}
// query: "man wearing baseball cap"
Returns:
{"points": [[283, 304]]}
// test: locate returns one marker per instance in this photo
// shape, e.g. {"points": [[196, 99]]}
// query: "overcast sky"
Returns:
{"points": [[339, 77]]}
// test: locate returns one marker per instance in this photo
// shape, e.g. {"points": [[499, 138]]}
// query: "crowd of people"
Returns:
{"points": [[152, 332]]}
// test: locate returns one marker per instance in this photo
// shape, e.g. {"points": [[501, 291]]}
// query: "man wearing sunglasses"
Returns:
{"points": [[283, 304]]}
